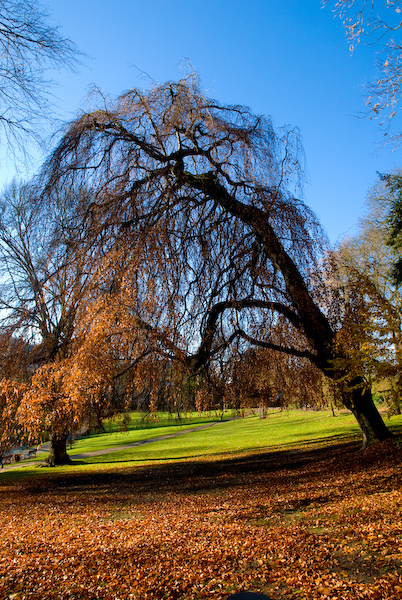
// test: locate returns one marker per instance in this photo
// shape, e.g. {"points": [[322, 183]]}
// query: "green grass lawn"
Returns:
{"points": [[142, 427], [279, 431]]}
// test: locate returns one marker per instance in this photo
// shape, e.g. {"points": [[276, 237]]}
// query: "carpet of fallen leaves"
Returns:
{"points": [[306, 524]]}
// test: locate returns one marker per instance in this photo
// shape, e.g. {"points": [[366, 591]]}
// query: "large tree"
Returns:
{"points": [[204, 195]]}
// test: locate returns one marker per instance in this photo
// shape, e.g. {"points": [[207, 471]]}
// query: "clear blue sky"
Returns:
{"points": [[285, 58]]}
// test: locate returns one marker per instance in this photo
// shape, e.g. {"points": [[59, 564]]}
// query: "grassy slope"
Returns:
{"points": [[281, 430]]}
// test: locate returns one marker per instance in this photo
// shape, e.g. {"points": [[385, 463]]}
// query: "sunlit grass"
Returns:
{"points": [[281, 430], [143, 427]]}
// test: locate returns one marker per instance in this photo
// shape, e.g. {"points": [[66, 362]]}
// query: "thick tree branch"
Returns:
{"points": [[277, 347], [315, 325], [204, 353]]}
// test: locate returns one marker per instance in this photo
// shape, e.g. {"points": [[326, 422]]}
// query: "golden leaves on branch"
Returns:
{"points": [[377, 24]]}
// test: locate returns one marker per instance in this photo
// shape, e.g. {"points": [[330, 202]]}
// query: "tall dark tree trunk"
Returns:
{"points": [[360, 401], [58, 450], [315, 325]]}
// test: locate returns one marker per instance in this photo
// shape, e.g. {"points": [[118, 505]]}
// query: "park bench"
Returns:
{"points": [[5, 459], [32, 453]]}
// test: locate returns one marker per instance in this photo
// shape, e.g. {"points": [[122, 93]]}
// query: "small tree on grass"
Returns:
{"points": [[45, 275]]}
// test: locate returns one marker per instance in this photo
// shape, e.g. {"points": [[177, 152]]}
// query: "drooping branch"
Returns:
{"points": [[315, 325], [277, 347], [205, 350], [201, 196]]}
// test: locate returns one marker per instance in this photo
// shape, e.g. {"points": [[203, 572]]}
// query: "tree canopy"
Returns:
{"points": [[164, 255], [198, 204]]}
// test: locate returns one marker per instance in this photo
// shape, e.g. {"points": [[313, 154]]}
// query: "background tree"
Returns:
{"points": [[29, 45], [378, 23], [11, 430], [204, 195], [373, 323], [265, 378], [392, 183], [46, 269]]}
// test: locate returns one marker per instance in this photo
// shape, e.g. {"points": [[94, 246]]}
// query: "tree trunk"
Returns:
{"points": [[360, 401], [58, 450]]}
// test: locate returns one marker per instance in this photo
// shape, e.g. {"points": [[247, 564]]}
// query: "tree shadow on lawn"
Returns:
{"points": [[305, 500], [323, 441], [203, 476]]}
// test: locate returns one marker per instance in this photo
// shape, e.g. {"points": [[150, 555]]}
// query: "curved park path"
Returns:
{"points": [[45, 448]]}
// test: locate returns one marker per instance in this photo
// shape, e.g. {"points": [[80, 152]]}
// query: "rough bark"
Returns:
{"points": [[58, 450], [360, 401]]}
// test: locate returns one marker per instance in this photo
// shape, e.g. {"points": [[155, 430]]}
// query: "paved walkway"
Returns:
{"points": [[45, 447]]}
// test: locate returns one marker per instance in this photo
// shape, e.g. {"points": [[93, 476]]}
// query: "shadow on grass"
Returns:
{"points": [[201, 476], [120, 456], [121, 444]]}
